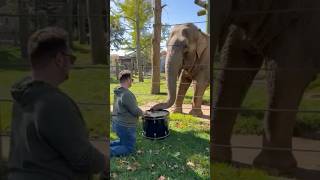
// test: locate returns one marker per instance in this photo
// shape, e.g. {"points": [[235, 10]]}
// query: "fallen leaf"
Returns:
{"points": [[139, 152], [191, 164], [162, 178], [152, 166], [176, 154], [114, 175], [136, 164], [175, 166], [123, 162], [131, 168], [156, 152]]}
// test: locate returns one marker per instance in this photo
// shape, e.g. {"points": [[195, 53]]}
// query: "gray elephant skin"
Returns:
{"points": [[286, 42], [188, 59]]}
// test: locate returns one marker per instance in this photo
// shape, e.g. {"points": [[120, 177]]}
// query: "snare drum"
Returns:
{"points": [[155, 124]]}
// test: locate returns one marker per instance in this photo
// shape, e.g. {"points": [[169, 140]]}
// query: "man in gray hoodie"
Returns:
{"points": [[124, 117], [49, 139]]}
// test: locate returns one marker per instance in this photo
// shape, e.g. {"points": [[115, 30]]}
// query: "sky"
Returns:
{"points": [[182, 11], [177, 12]]}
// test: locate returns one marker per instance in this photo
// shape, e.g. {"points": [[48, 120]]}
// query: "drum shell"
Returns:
{"points": [[155, 127]]}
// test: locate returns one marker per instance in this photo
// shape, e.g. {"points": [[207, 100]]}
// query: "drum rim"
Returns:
{"points": [[144, 116], [155, 118], [158, 138]]}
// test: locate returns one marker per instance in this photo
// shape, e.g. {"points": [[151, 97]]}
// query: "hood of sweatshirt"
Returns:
{"points": [[27, 90]]}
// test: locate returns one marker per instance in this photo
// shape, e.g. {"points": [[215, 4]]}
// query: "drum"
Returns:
{"points": [[155, 124]]}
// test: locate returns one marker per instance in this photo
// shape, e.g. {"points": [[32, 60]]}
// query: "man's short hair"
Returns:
{"points": [[45, 44], [124, 75]]}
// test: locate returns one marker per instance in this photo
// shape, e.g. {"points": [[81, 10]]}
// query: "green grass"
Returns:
{"points": [[143, 89], [227, 172], [251, 122], [182, 155]]}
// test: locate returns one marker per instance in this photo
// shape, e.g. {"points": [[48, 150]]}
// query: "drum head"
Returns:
{"points": [[156, 114]]}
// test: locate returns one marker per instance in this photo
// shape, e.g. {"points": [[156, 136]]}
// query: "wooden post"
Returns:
{"points": [[69, 21], [97, 28], [23, 28], [155, 86], [82, 21], [106, 57]]}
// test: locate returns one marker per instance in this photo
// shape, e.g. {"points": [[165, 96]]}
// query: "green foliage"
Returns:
{"points": [[128, 8], [117, 30]]}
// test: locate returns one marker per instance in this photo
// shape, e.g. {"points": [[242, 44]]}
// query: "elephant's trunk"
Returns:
{"points": [[172, 68]]}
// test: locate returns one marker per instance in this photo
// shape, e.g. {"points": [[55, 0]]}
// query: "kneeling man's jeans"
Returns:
{"points": [[126, 144]]}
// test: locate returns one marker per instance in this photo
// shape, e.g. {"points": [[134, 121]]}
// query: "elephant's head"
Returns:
{"points": [[185, 45]]}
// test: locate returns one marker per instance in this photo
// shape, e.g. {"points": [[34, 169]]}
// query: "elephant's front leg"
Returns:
{"points": [[184, 84], [286, 89], [232, 89], [199, 89]]}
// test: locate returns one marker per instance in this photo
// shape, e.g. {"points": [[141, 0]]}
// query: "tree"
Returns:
{"points": [[82, 20], [117, 31], [137, 15], [155, 86], [23, 28], [97, 29]]}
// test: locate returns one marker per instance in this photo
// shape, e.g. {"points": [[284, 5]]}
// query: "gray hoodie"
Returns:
{"points": [[49, 139], [125, 109]]}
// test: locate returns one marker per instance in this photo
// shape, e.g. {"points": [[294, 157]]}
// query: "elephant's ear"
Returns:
{"points": [[202, 44]]}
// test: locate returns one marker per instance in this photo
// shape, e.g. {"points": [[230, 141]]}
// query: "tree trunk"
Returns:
{"points": [[138, 55], [97, 27], [23, 28], [106, 50], [155, 86], [69, 20], [82, 21]]}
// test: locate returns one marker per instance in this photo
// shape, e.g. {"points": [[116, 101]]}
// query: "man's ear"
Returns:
{"points": [[59, 61]]}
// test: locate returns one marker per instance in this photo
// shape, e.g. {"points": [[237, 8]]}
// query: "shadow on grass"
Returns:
{"points": [[169, 157], [298, 173]]}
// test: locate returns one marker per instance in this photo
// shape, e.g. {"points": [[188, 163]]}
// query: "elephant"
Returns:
{"points": [[251, 34], [188, 54]]}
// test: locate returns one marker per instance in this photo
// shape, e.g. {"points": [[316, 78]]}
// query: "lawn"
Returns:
{"points": [[142, 91], [227, 172], [251, 122], [182, 155]]}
